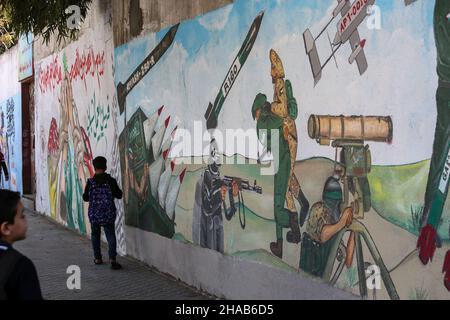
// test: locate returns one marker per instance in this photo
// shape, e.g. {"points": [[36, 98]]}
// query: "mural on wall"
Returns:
{"points": [[347, 199], [75, 122], [11, 141]]}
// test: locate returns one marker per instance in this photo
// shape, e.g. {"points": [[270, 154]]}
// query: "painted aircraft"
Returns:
{"points": [[352, 15]]}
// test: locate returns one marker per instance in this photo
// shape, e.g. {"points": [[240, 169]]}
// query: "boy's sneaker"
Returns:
{"points": [[115, 265]]}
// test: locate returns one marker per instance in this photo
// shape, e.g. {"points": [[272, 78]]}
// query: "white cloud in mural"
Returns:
{"points": [[216, 20]]}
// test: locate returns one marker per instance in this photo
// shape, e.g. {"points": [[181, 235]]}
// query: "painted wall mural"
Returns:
{"points": [[75, 122], [11, 141], [11, 119], [353, 143]]}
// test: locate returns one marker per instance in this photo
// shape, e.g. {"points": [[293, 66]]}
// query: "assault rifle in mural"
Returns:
{"points": [[242, 184], [347, 30], [123, 89], [150, 186], [345, 199], [212, 113]]}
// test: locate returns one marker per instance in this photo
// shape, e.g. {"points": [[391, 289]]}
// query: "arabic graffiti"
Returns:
{"points": [[85, 63], [98, 118]]}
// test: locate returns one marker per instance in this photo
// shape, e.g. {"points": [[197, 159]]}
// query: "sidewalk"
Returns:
{"points": [[53, 248]]}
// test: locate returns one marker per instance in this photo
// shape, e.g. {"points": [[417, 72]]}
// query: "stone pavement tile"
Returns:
{"points": [[53, 248]]}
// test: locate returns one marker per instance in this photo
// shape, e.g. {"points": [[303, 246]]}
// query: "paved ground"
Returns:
{"points": [[53, 248]]}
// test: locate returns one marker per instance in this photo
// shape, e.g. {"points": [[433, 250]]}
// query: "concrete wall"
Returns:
{"points": [[75, 121], [134, 17], [90, 100]]}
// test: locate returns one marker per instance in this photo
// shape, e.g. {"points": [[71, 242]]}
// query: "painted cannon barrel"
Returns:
{"points": [[366, 128]]}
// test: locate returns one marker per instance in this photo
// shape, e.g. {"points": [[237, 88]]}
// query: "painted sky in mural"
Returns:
{"points": [[205, 47]]}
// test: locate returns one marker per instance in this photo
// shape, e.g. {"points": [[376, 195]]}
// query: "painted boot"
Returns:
{"points": [[294, 235], [446, 269], [277, 248]]}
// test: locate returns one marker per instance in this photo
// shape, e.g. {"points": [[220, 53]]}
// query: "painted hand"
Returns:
{"points": [[235, 189], [223, 192], [347, 217], [427, 243]]}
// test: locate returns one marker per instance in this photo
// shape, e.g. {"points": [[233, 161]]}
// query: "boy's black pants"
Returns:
{"points": [[110, 234]]}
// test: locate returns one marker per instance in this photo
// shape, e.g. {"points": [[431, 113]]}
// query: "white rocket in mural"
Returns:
{"points": [[164, 182], [156, 169], [158, 138], [172, 194], [168, 143], [150, 125]]}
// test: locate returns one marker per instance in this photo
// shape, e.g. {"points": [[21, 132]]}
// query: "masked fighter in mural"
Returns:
{"points": [[3, 168], [326, 219], [281, 115], [210, 197], [70, 162], [438, 178]]}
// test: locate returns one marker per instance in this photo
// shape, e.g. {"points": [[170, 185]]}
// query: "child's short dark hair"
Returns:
{"points": [[8, 203], [99, 163]]}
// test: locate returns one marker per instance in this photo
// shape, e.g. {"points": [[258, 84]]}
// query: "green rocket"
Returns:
{"points": [[212, 113]]}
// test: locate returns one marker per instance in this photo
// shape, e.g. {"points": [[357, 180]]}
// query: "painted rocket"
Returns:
{"points": [[156, 169], [213, 110], [158, 138], [172, 195], [164, 182], [150, 125]]}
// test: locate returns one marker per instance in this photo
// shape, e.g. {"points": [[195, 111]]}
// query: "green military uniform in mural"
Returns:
{"points": [[314, 253], [438, 178], [268, 121], [280, 115]]}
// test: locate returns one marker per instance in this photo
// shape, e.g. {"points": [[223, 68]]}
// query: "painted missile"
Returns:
{"points": [[158, 138], [357, 51], [213, 111], [146, 65], [168, 143], [164, 182], [156, 169], [172, 195], [150, 125]]}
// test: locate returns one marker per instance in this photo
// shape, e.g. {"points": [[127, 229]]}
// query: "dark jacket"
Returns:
{"points": [[22, 282], [103, 178]]}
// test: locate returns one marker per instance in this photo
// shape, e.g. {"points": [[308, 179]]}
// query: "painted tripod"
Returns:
{"points": [[353, 148]]}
